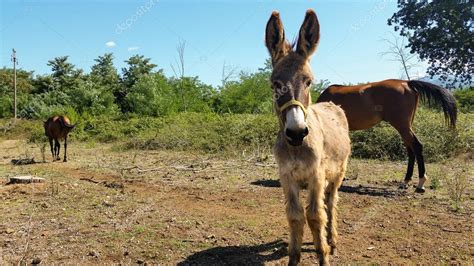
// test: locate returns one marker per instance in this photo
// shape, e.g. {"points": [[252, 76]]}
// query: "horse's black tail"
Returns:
{"points": [[437, 96], [66, 124]]}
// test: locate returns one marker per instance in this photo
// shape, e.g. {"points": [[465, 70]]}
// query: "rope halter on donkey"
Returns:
{"points": [[294, 103]]}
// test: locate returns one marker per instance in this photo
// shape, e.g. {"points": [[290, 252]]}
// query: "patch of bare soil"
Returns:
{"points": [[107, 206]]}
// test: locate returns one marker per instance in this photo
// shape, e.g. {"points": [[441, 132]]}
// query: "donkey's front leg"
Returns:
{"points": [[331, 198], [295, 216], [317, 217]]}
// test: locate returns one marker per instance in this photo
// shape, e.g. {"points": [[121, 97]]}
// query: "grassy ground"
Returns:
{"points": [[242, 133], [108, 205]]}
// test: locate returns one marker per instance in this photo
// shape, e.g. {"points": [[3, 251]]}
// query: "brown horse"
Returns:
{"points": [[313, 144], [57, 128], [393, 101]]}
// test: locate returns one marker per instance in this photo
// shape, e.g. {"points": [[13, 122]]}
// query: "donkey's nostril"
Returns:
{"points": [[295, 137], [305, 132]]}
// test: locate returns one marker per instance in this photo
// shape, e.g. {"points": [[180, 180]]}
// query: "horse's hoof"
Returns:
{"points": [[420, 190], [403, 186], [65, 160]]}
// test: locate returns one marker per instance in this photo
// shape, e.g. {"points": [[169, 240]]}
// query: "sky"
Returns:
{"points": [[215, 33]]}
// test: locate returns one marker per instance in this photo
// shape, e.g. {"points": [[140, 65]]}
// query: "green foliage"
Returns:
{"points": [[238, 133], [465, 99], [146, 110], [192, 95], [138, 67], [152, 96], [251, 94], [209, 132], [440, 32]]}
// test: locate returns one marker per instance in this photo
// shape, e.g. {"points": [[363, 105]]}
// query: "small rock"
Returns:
{"points": [[370, 248], [9, 231], [92, 253], [36, 261], [107, 204]]}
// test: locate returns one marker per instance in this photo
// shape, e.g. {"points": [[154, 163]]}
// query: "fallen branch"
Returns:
{"points": [[89, 180]]}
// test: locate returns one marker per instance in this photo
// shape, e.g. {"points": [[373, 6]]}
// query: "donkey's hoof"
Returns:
{"points": [[333, 251], [65, 160], [293, 262], [420, 190]]}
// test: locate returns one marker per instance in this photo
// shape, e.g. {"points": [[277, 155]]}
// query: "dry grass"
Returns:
{"points": [[112, 206]]}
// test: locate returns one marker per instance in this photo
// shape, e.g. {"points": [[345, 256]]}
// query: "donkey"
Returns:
{"points": [[313, 144], [57, 128]]}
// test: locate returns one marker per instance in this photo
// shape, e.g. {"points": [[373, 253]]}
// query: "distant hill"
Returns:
{"points": [[439, 82]]}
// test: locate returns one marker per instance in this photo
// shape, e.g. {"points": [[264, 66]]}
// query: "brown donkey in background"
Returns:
{"points": [[57, 128], [394, 101], [313, 144]]}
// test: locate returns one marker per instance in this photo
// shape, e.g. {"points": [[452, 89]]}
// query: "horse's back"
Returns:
{"points": [[367, 104], [55, 127]]}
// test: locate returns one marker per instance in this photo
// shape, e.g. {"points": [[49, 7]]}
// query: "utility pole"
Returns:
{"points": [[14, 78]]}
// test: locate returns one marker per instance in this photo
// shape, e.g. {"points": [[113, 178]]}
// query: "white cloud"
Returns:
{"points": [[133, 48], [110, 44]]}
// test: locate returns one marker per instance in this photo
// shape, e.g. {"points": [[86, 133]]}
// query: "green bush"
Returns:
{"points": [[465, 98], [210, 132]]}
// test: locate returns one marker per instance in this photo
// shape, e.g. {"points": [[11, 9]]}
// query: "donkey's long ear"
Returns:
{"points": [[308, 38], [275, 38]]}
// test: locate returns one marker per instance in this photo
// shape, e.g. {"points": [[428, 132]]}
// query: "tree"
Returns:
{"points": [[64, 75], [442, 32], [104, 73], [398, 52], [138, 66], [250, 94], [152, 95], [24, 85]]}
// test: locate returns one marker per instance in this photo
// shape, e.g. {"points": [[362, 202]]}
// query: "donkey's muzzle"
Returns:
{"points": [[296, 137]]}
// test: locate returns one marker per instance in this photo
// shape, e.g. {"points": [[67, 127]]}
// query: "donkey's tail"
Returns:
{"points": [[437, 96]]}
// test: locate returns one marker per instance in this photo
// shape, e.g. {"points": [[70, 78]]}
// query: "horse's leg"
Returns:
{"points": [[418, 148], [58, 148], [295, 216], [408, 139], [65, 149], [52, 147], [317, 217], [411, 165], [415, 150]]}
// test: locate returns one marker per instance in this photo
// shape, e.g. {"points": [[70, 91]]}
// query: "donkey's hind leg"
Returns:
{"points": [[295, 216], [317, 218]]}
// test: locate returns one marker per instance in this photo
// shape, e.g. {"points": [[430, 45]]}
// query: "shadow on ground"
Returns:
{"points": [[388, 192], [238, 255], [243, 255], [267, 183], [372, 191]]}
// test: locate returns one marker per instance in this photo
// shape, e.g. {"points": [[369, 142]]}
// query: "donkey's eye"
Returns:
{"points": [[276, 85], [308, 82]]}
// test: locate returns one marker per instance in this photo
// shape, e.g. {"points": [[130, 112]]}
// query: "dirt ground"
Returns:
{"points": [[111, 206]]}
